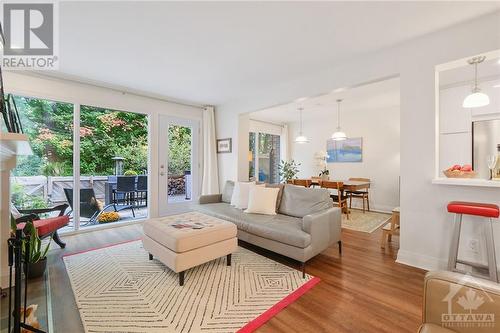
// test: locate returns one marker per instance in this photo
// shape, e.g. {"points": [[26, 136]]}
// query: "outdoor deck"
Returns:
{"points": [[125, 214]]}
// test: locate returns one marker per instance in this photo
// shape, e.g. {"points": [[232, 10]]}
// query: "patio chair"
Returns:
{"points": [[142, 189], [125, 192], [89, 206], [46, 227]]}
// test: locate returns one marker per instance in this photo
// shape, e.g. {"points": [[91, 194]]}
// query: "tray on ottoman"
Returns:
{"points": [[187, 240]]}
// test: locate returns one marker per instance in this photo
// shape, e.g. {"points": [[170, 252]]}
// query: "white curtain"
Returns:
{"points": [[285, 154], [210, 178]]}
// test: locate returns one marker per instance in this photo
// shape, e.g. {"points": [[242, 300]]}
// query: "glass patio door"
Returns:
{"points": [[179, 170]]}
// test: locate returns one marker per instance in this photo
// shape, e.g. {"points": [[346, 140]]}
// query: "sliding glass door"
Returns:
{"points": [[179, 166], [110, 154]]}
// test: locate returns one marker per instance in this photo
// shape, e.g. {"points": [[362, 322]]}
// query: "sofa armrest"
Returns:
{"points": [[324, 225], [210, 198], [444, 290]]}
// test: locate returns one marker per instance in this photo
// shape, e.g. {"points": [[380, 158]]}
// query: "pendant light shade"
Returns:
{"points": [[339, 135], [301, 138], [476, 99]]}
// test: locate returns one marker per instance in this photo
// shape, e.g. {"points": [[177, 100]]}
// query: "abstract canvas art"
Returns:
{"points": [[349, 150]]}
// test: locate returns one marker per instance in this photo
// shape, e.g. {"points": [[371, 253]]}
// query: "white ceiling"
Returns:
{"points": [[379, 95], [213, 52]]}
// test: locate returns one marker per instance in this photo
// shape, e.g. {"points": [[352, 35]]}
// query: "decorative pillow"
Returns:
{"points": [[262, 200], [240, 194], [280, 193], [227, 194]]}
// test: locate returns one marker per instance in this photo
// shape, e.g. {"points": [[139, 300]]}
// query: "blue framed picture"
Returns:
{"points": [[349, 150]]}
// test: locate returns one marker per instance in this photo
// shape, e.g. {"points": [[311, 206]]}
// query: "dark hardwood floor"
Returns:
{"points": [[362, 291]]}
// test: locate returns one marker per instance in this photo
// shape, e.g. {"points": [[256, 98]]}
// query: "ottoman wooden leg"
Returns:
{"points": [[181, 278], [150, 256], [228, 260]]}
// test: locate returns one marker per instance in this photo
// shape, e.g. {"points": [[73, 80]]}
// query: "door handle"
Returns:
{"points": [[162, 173]]}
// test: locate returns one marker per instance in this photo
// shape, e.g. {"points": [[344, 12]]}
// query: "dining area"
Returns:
{"points": [[342, 192]]}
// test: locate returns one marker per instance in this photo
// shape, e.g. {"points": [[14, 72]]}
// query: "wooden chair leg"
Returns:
{"points": [[368, 202], [382, 241], [389, 237], [363, 204], [350, 200]]}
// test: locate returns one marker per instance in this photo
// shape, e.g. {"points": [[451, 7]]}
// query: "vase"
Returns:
{"points": [[325, 177], [37, 269]]}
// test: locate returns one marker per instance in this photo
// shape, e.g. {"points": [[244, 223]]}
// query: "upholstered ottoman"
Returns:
{"points": [[187, 240]]}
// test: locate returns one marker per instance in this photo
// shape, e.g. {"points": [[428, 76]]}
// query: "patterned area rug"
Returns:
{"points": [[117, 289], [365, 222]]}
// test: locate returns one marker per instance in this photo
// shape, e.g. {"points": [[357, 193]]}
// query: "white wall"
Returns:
{"points": [[425, 224], [379, 129]]}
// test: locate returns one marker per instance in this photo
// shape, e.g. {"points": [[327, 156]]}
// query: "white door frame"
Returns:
{"points": [[165, 207]]}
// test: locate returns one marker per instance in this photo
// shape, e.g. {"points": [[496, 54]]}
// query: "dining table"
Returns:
{"points": [[349, 185]]}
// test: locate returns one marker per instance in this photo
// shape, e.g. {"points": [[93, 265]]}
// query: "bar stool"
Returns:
{"points": [[489, 211]]}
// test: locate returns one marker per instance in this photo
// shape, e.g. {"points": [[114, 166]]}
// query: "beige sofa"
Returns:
{"points": [[458, 303], [306, 223]]}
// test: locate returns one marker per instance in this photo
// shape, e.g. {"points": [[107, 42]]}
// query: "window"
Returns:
{"points": [[37, 181], [264, 157]]}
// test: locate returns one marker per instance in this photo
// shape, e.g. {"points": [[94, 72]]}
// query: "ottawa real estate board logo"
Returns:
{"points": [[29, 35], [467, 306]]}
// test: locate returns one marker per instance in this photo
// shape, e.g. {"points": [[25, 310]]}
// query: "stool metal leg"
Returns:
{"points": [[490, 249], [455, 241]]}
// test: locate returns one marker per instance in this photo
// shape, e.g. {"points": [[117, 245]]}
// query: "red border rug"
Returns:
{"points": [[73, 260]]}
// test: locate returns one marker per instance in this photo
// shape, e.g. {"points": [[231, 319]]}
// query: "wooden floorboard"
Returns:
{"points": [[365, 290]]}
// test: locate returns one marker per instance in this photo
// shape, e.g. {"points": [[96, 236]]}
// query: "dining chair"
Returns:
{"points": [[302, 182], [339, 198], [125, 192], [362, 194], [142, 189]]}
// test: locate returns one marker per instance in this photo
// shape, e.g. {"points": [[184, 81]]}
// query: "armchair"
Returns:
{"points": [[46, 227], [458, 303]]}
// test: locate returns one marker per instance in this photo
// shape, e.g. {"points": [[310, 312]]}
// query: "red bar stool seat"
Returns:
{"points": [[473, 208], [490, 211]]}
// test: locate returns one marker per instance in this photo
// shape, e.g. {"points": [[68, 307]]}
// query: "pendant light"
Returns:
{"points": [[338, 135], [301, 138], [476, 99]]}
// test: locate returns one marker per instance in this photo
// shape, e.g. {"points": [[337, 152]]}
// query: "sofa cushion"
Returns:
{"points": [[280, 193], [227, 193], [280, 228], [262, 200], [300, 201]]}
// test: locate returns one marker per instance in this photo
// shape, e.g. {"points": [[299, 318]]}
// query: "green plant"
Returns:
{"points": [[288, 170], [36, 252], [22, 200], [130, 173]]}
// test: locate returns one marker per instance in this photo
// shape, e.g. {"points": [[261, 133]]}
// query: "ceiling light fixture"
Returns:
{"points": [[301, 138], [338, 135], [476, 99]]}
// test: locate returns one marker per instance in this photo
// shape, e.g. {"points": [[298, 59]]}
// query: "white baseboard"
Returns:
{"points": [[421, 261]]}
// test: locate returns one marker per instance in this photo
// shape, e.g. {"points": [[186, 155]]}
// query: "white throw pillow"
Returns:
{"points": [[262, 200], [239, 199]]}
